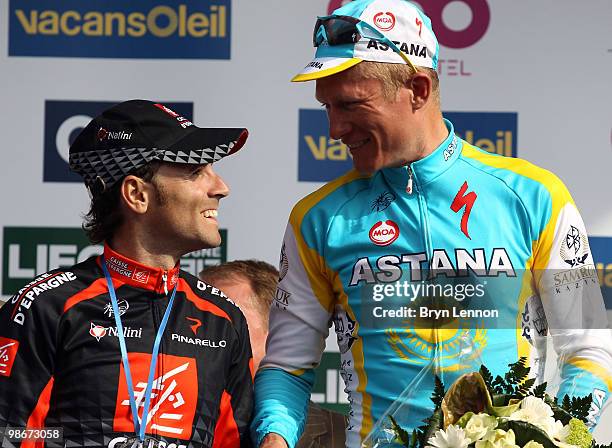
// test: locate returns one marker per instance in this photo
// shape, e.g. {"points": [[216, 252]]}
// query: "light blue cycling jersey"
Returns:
{"points": [[460, 209]]}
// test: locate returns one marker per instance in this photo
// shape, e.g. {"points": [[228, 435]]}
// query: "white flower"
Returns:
{"points": [[498, 439], [533, 410], [478, 425], [532, 444], [453, 437], [560, 432]]}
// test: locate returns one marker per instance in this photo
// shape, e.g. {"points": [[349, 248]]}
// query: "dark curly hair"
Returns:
{"points": [[104, 216]]}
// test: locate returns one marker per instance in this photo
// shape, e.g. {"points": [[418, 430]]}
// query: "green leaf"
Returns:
{"points": [[400, 433], [523, 389], [438, 393], [503, 411], [539, 390], [487, 377], [464, 419]]}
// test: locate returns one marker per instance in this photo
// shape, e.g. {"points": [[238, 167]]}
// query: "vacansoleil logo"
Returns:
{"points": [[30, 251], [322, 159], [63, 122], [601, 248], [188, 29]]}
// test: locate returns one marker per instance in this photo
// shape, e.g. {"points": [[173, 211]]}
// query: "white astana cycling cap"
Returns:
{"points": [[341, 45]]}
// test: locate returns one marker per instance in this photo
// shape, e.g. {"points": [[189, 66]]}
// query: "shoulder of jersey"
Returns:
{"points": [[210, 293], [343, 188], [55, 287]]}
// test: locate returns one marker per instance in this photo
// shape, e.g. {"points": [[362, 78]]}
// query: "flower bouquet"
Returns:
{"points": [[484, 412]]}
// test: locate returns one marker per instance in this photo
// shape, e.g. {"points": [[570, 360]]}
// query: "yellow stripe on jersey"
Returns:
{"points": [[556, 189], [594, 368], [319, 274]]}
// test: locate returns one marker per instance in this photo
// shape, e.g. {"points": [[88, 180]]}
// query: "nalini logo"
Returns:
{"points": [[97, 331], [104, 134], [384, 20], [188, 29], [384, 233]]}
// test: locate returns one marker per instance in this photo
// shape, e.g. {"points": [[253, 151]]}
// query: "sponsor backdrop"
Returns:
{"points": [[228, 63]]}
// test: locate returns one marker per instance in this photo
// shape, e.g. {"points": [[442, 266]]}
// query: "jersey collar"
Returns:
{"points": [[428, 168], [139, 275]]}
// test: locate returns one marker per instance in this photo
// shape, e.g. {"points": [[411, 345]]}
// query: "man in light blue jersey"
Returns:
{"points": [[421, 206]]}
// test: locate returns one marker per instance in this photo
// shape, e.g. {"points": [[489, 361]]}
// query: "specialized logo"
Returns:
{"points": [[384, 20], [188, 29], [464, 200], [419, 23], [575, 247], [174, 395], [283, 265], [384, 233], [98, 331], [64, 120], [197, 323], [8, 353], [123, 306], [495, 132], [383, 201], [345, 329], [104, 134]]}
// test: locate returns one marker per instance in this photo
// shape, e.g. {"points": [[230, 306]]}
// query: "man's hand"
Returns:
{"points": [[273, 440]]}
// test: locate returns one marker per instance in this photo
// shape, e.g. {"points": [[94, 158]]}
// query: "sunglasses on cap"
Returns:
{"points": [[341, 30]]}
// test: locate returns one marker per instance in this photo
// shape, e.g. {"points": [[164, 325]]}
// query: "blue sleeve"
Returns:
{"points": [[281, 403]]}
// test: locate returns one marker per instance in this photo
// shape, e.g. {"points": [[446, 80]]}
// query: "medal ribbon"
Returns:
{"points": [[138, 428]]}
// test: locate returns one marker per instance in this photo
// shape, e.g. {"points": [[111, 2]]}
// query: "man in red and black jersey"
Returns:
{"points": [[125, 349]]}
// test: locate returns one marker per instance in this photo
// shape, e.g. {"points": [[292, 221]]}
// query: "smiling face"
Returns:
{"points": [[183, 215], [379, 132]]}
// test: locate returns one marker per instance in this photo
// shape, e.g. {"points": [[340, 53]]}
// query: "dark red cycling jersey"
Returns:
{"points": [[60, 360]]}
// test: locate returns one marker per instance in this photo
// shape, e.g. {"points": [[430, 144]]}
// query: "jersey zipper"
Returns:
{"points": [[411, 186]]}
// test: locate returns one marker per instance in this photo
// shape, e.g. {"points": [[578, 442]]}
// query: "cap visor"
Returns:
{"points": [[206, 145], [322, 67]]}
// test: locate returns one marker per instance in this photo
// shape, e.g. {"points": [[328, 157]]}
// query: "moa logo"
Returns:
{"points": [[188, 29], [384, 233]]}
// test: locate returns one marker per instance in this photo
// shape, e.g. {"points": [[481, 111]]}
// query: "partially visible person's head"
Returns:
{"points": [[251, 284], [375, 69], [142, 158]]}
